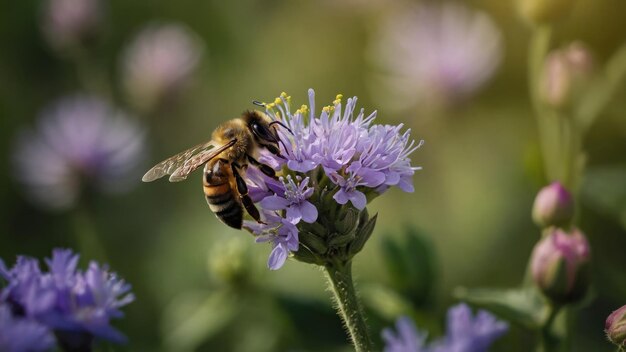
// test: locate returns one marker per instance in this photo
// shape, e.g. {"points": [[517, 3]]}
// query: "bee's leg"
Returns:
{"points": [[267, 170], [242, 189]]}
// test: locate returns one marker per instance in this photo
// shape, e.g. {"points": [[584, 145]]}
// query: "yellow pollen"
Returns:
{"points": [[339, 96], [283, 95], [277, 101], [326, 109]]}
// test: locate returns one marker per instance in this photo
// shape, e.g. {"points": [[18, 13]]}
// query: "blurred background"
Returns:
{"points": [[144, 80]]}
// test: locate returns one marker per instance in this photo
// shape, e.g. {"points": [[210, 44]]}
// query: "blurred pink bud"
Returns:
{"points": [[554, 206], [71, 23], [559, 265], [545, 11], [615, 327], [566, 73], [159, 63]]}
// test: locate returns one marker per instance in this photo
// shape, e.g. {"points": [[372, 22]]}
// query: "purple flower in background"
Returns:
{"points": [[341, 149], [19, 334], [434, 55], [159, 63], [80, 142], [465, 333], [69, 23], [66, 300], [408, 338]]}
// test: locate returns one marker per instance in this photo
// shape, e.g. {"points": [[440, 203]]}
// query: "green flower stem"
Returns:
{"points": [[549, 342], [539, 47], [340, 281], [86, 237]]}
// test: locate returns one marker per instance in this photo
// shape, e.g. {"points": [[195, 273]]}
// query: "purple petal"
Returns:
{"points": [[274, 203], [293, 214], [308, 211], [358, 199], [341, 196], [277, 257], [372, 178]]}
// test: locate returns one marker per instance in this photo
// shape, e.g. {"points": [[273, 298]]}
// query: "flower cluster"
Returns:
{"points": [[339, 156], [81, 142], [434, 55], [77, 306], [465, 333]]}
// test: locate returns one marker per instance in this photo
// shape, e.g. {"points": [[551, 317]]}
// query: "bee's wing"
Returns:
{"points": [[184, 163]]}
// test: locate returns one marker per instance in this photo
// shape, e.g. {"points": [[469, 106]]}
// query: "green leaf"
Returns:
{"points": [[411, 264], [604, 189], [522, 306], [194, 318]]}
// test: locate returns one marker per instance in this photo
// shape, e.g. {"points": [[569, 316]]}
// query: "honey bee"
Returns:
{"points": [[233, 145]]}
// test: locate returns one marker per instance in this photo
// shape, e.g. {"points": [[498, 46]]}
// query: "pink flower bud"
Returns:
{"points": [[70, 23], [554, 206], [559, 265], [566, 74], [615, 327]]}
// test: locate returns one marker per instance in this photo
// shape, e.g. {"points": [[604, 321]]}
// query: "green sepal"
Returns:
{"points": [[348, 223], [521, 306], [336, 240], [305, 255], [313, 242], [363, 234]]}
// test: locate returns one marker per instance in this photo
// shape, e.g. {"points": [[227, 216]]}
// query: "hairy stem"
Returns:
{"points": [[349, 309]]}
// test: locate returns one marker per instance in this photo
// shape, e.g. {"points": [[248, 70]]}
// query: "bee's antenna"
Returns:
{"points": [[258, 103], [282, 124]]}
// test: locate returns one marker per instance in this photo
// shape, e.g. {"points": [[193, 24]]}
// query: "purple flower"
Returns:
{"points": [[66, 299], [292, 197], [434, 55], [19, 334], [159, 63], [408, 338], [465, 333], [281, 232], [340, 153], [80, 142]]}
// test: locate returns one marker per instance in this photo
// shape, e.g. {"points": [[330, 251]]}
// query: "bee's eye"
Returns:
{"points": [[262, 132]]}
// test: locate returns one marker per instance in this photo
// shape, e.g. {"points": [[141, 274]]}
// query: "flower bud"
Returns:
{"points": [[554, 206], [566, 74], [545, 11], [229, 262], [559, 265], [615, 327], [71, 23]]}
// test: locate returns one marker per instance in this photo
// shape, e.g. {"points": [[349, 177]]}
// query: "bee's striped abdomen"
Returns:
{"points": [[224, 203]]}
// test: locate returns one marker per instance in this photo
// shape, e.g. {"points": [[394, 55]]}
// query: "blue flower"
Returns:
{"points": [[65, 299], [465, 333], [19, 334]]}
